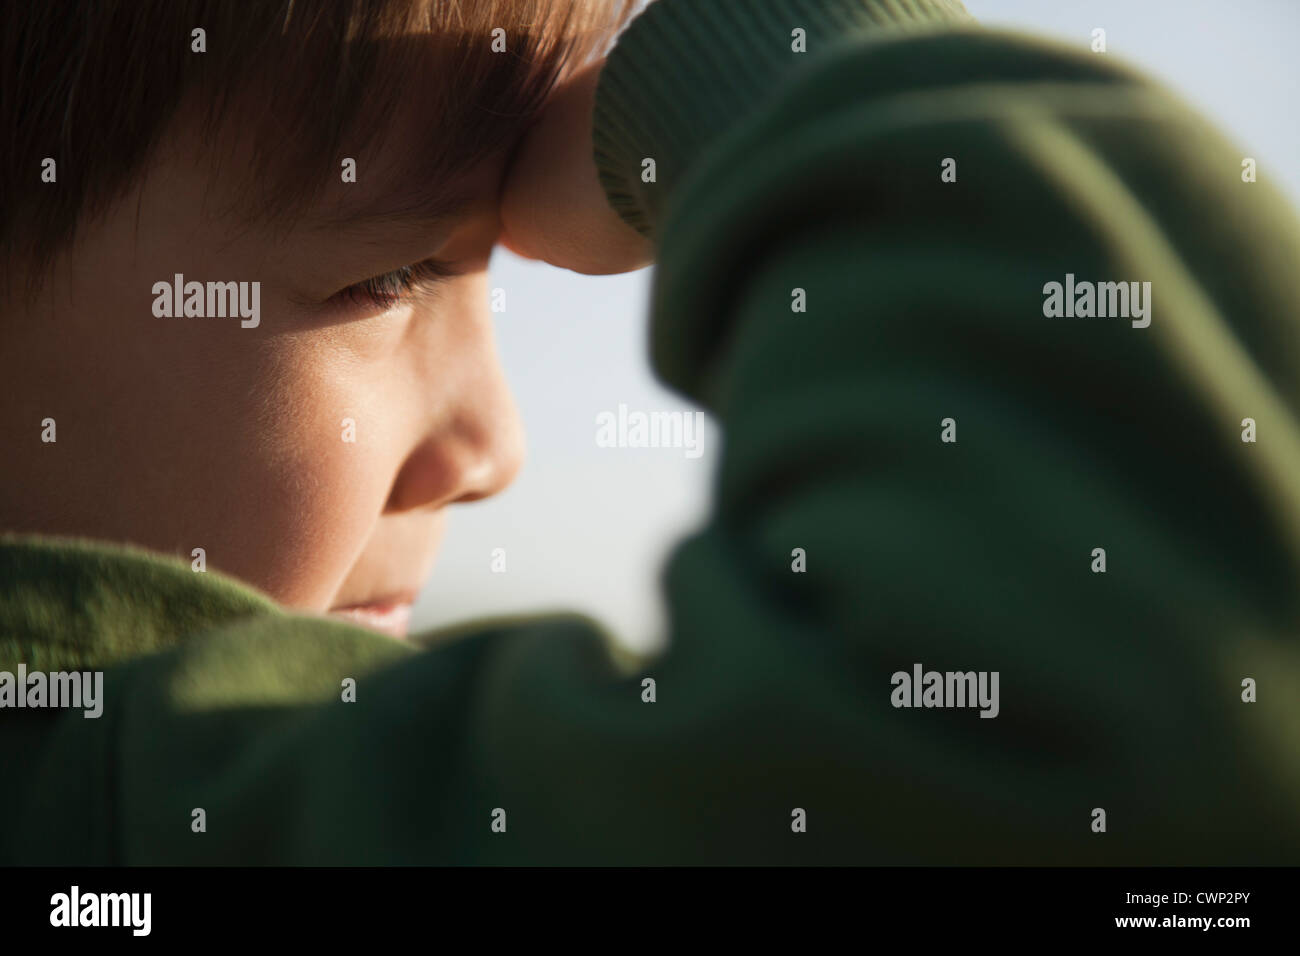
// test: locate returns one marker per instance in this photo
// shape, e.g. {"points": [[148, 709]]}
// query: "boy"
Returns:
{"points": [[858, 208]]}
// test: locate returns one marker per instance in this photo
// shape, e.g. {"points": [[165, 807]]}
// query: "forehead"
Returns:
{"points": [[198, 209], [403, 196], [412, 156]]}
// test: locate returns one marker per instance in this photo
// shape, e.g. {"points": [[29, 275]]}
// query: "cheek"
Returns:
{"points": [[321, 463], [184, 433], [270, 456]]}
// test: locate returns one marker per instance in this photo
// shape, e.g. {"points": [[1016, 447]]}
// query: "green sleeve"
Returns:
{"points": [[923, 301]]}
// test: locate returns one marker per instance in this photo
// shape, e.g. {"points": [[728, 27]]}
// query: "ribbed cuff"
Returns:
{"points": [[686, 71]]}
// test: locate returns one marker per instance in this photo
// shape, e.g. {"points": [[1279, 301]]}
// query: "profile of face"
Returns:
{"points": [[312, 455]]}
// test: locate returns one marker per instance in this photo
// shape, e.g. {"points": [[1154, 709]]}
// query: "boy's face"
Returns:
{"points": [[197, 432]]}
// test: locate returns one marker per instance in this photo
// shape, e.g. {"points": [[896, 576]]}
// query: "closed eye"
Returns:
{"points": [[389, 290]]}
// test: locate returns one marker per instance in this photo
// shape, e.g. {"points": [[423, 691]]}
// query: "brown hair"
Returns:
{"points": [[95, 85]]}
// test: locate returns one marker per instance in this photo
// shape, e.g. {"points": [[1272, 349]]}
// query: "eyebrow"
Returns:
{"points": [[419, 205]]}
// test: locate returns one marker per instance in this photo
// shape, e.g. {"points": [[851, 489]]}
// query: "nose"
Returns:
{"points": [[475, 446]]}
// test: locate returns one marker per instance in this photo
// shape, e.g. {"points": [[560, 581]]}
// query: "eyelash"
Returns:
{"points": [[388, 290]]}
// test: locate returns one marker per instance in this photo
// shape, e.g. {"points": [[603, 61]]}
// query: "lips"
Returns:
{"points": [[391, 616]]}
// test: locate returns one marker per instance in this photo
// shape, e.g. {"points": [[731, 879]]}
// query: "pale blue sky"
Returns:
{"points": [[586, 528]]}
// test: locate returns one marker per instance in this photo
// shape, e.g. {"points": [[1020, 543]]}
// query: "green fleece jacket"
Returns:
{"points": [[860, 207]]}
